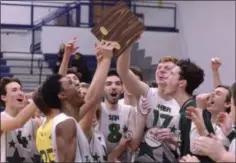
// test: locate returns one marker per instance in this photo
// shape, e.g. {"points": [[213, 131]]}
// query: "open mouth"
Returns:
{"points": [[19, 100], [113, 94], [212, 102]]}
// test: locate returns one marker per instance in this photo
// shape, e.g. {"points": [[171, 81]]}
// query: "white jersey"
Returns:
{"points": [[3, 147], [98, 147], [19, 144], [194, 135], [121, 101], [83, 153], [163, 114], [163, 110], [114, 123], [232, 146]]}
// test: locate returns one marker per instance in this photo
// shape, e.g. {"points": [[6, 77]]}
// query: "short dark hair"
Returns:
{"points": [[113, 72], [137, 71], [193, 74], [3, 83], [73, 71], [228, 96], [50, 90], [233, 91]]}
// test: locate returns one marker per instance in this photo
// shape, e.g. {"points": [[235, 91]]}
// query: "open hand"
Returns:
{"points": [[225, 122], [104, 49], [203, 100], [211, 147]]}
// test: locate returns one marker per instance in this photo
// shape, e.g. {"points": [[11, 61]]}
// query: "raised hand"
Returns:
{"points": [[104, 49], [203, 100], [70, 48], [98, 52], [215, 64], [225, 122], [196, 116], [144, 106]]}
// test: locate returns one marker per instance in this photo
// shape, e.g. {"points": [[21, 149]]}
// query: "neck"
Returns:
{"points": [[162, 95], [68, 110], [52, 114], [130, 100], [111, 106], [181, 98], [11, 112], [213, 117]]}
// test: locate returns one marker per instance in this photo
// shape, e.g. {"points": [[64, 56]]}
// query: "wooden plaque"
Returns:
{"points": [[121, 25]]}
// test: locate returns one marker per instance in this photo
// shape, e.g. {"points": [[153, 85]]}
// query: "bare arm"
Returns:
{"points": [[96, 88], [112, 157], [66, 140], [227, 157], [64, 65], [69, 50], [134, 86], [11, 123], [143, 109], [104, 54], [215, 65], [139, 131]]}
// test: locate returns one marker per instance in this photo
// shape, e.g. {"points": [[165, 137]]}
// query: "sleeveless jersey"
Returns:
{"points": [[20, 144], [83, 153], [44, 142], [98, 147], [113, 124], [163, 113], [3, 146]]}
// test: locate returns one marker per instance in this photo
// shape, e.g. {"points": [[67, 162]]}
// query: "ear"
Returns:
{"points": [[61, 96], [227, 104], [122, 90], [182, 83], [3, 98]]}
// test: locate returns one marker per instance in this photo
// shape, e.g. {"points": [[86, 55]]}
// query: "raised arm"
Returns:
{"points": [[66, 141], [143, 109], [104, 53], [215, 65], [10, 123], [69, 50], [134, 86]]}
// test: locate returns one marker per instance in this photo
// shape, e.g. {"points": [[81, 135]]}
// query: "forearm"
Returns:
{"points": [[98, 81], [115, 153], [139, 131], [26, 113], [216, 78], [133, 85], [86, 122], [64, 65], [20, 119], [227, 157]]}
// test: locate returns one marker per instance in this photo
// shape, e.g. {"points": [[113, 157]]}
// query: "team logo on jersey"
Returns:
{"points": [[150, 138]]}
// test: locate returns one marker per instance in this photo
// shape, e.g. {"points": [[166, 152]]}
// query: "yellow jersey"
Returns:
{"points": [[44, 142]]}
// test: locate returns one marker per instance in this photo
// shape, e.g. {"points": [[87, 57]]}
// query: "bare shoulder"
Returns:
{"points": [[66, 128]]}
